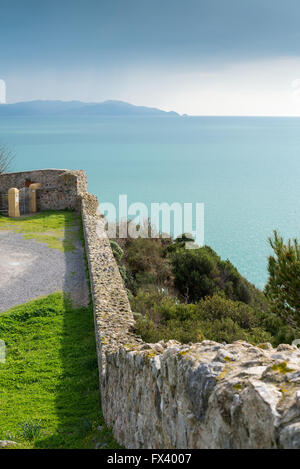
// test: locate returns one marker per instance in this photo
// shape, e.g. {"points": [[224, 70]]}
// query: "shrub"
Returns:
{"points": [[192, 294], [283, 287], [281, 332], [201, 272], [149, 300], [145, 263], [195, 273], [214, 318], [117, 250], [174, 329]]}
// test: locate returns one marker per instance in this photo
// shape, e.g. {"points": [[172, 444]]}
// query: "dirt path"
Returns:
{"points": [[30, 269]]}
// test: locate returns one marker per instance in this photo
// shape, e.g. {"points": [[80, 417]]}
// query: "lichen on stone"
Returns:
{"points": [[282, 368]]}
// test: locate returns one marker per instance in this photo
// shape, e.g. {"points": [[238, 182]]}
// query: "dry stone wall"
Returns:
{"points": [[60, 189], [167, 395]]}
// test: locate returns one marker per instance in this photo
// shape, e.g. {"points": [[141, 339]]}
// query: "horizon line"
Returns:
{"points": [[150, 106]]}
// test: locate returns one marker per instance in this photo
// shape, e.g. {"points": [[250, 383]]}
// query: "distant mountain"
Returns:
{"points": [[78, 108]]}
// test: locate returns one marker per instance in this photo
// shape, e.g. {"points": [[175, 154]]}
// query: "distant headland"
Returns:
{"points": [[79, 108]]}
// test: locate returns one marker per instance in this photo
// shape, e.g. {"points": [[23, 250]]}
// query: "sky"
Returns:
{"points": [[199, 57]]}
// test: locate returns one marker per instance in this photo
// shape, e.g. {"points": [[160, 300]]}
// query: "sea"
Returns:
{"points": [[246, 170]]}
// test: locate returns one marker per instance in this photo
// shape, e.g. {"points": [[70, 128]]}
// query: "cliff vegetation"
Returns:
{"points": [[192, 294]]}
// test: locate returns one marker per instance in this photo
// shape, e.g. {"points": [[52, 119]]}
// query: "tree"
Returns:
{"points": [[6, 158], [196, 273], [283, 287], [201, 272]]}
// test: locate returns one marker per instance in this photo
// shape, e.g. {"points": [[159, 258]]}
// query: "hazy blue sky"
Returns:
{"points": [[193, 56]]}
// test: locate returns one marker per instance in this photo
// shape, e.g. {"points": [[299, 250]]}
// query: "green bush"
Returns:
{"points": [[144, 263], [283, 287], [201, 272], [176, 330], [192, 294], [281, 332], [214, 318], [117, 250]]}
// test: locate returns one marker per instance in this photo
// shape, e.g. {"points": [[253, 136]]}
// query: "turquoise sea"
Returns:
{"points": [[246, 170]]}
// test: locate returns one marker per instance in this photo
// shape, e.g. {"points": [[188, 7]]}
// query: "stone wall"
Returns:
{"points": [[167, 395], [60, 188]]}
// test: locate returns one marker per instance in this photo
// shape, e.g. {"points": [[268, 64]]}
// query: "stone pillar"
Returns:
{"points": [[32, 196], [13, 202]]}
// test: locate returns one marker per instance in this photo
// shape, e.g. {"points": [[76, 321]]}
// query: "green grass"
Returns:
{"points": [[58, 229], [49, 390]]}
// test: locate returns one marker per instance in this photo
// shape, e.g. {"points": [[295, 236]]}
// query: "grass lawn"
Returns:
{"points": [[49, 390], [58, 229]]}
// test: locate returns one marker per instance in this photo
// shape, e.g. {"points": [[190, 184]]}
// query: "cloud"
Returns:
{"points": [[295, 83], [296, 88], [297, 93], [258, 87]]}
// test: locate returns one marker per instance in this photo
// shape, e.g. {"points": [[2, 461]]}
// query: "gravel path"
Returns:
{"points": [[29, 269]]}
